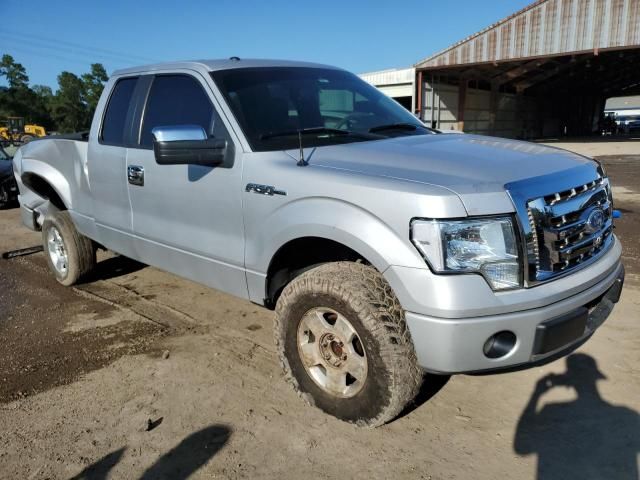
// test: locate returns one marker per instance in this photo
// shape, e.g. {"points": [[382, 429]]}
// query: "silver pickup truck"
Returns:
{"points": [[386, 249]]}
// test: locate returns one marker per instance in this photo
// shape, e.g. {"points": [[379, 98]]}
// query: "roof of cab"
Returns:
{"points": [[221, 64]]}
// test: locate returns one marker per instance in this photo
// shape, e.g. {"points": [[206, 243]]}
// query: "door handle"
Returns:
{"points": [[135, 175]]}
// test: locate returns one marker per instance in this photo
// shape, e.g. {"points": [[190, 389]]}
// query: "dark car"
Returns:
{"points": [[8, 185], [633, 126]]}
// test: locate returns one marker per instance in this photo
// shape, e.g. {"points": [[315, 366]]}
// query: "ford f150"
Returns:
{"points": [[385, 248]]}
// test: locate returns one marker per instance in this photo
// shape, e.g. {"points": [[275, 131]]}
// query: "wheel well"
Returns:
{"points": [[300, 255], [40, 186]]}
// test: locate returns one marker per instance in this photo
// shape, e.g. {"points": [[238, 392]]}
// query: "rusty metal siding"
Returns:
{"points": [[535, 33], [617, 22], [479, 47], [582, 26], [548, 27], [633, 28]]}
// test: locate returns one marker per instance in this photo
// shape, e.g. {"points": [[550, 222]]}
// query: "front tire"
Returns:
{"points": [[344, 343], [70, 255]]}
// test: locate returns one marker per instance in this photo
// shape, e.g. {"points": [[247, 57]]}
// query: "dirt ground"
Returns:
{"points": [[140, 374]]}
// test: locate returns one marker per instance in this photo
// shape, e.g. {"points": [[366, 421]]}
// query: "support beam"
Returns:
{"points": [[462, 98], [529, 82], [432, 120], [514, 73], [493, 107], [419, 89], [474, 73]]}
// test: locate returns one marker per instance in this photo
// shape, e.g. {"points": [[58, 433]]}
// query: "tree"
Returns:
{"points": [[14, 99], [93, 85], [69, 109], [41, 104], [43, 91], [14, 72]]}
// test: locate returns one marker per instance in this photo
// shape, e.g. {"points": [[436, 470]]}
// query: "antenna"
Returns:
{"points": [[302, 162]]}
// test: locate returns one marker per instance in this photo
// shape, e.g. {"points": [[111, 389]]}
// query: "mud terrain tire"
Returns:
{"points": [[362, 296]]}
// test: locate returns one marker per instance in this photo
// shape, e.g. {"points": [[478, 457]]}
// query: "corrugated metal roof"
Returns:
{"points": [[548, 27], [392, 76]]}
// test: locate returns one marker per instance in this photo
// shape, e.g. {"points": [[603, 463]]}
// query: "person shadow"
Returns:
{"points": [[587, 438], [178, 463]]}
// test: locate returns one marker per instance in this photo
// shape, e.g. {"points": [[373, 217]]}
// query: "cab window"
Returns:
{"points": [[176, 100]]}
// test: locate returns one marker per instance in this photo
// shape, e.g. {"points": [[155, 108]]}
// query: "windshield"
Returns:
{"points": [[273, 104], [3, 155]]}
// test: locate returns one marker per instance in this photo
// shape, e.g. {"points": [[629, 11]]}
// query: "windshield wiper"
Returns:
{"points": [[398, 126], [311, 131]]}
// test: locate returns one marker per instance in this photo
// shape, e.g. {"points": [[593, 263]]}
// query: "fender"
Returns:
{"points": [[48, 174], [340, 221], [62, 164]]}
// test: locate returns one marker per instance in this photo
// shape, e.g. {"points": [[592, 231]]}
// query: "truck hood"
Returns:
{"points": [[474, 167]]}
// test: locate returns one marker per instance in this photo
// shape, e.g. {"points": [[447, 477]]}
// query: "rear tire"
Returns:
{"points": [[318, 357], [70, 255]]}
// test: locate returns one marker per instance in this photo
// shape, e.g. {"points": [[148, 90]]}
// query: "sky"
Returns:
{"points": [[48, 37]]}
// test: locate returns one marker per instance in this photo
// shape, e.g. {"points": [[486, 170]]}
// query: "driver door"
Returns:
{"points": [[187, 219]]}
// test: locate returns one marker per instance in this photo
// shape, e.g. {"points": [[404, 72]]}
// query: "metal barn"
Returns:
{"points": [[544, 71]]}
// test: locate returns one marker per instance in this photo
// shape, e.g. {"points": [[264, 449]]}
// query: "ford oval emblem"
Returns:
{"points": [[596, 219]]}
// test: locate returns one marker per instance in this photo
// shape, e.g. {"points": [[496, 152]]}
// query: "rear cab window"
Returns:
{"points": [[115, 117]]}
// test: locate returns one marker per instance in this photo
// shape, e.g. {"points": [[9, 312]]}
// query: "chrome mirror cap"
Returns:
{"points": [[176, 133]]}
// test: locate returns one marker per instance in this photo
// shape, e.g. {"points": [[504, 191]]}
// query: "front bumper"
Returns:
{"points": [[457, 345]]}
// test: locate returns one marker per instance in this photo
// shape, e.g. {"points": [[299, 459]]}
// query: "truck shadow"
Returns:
{"points": [[114, 267], [431, 385], [587, 438], [178, 463]]}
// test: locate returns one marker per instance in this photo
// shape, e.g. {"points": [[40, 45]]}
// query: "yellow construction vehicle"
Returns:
{"points": [[13, 130]]}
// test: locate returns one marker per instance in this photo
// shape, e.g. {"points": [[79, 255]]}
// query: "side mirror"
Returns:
{"points": [[187, 145]]}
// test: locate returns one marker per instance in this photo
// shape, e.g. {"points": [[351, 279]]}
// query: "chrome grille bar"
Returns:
{"points": [[568, 228], [569, 192]]}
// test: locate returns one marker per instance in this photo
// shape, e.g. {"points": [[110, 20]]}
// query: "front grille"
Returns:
{"points": [[568, 228]]}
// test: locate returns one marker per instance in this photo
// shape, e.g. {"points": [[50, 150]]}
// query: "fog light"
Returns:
{"points": [[500, 344]]}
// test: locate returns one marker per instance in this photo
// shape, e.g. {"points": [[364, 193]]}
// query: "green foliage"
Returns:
{"points": [[14, 72], [69, 109], [93, 85]]}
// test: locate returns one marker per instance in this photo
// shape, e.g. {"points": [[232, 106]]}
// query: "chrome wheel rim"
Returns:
{"points": [[331, 352], [57, 251]]}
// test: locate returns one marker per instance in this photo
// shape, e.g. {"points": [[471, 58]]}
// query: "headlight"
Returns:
{"points": [[483, 245]]}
